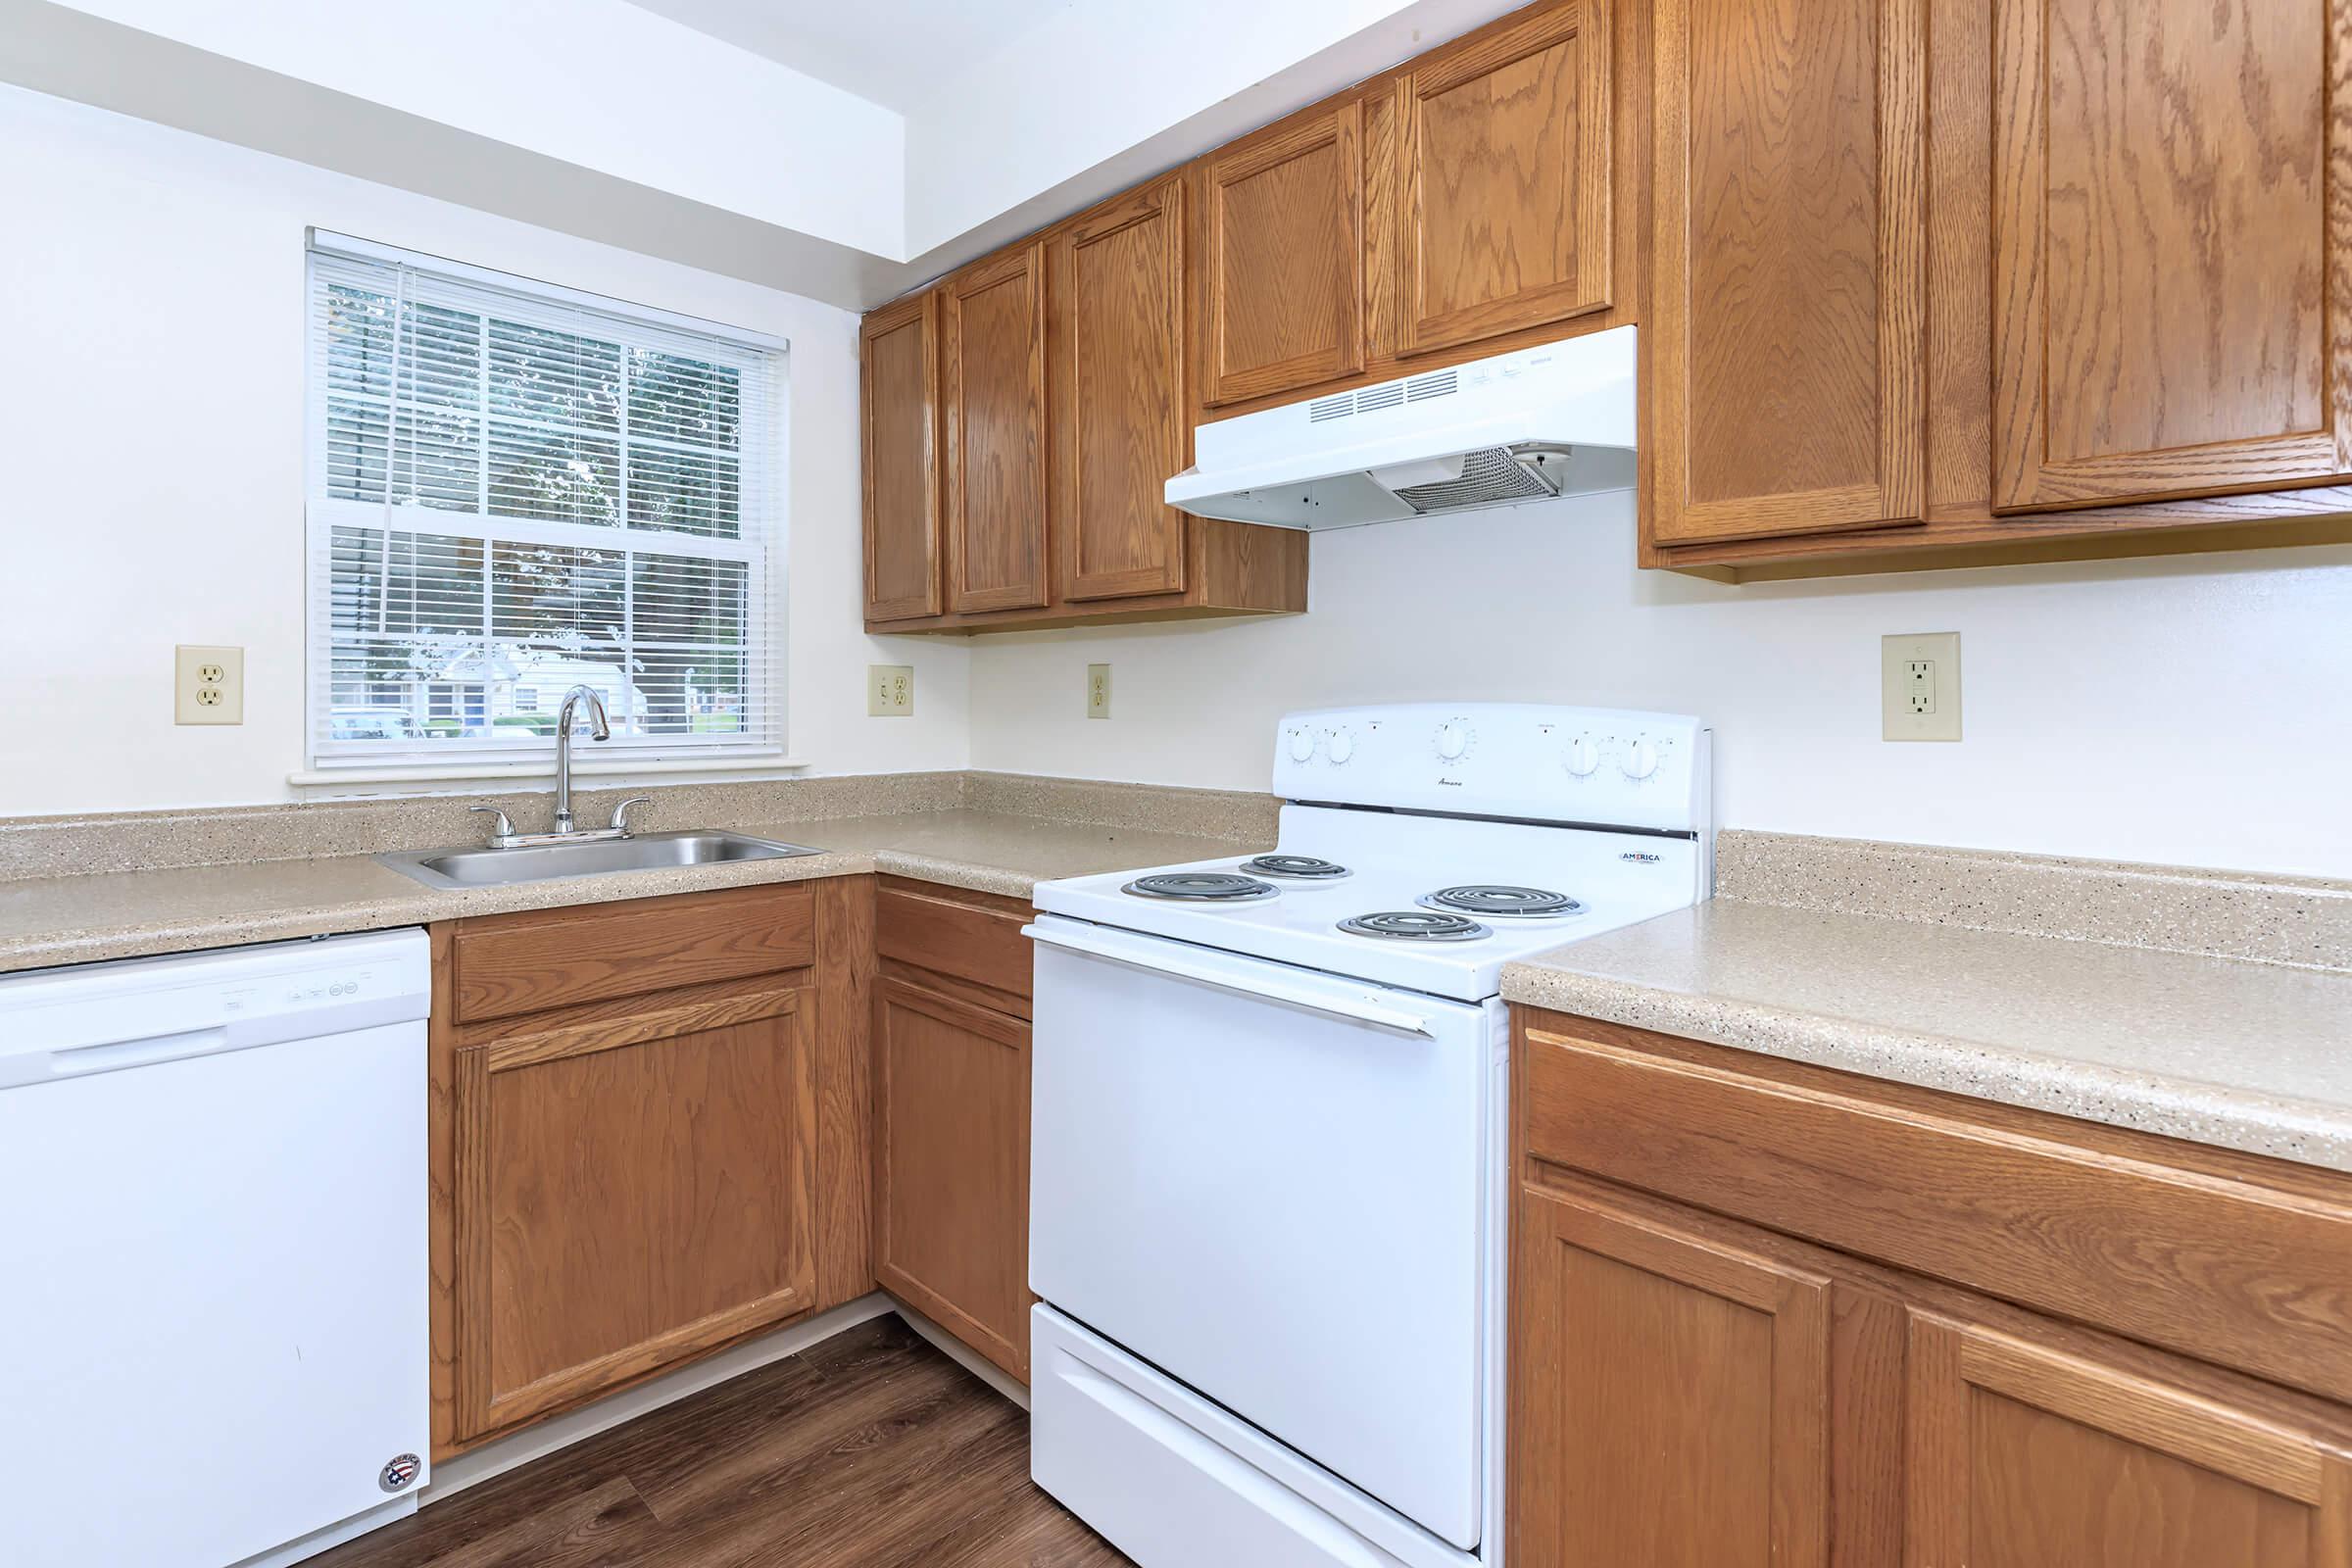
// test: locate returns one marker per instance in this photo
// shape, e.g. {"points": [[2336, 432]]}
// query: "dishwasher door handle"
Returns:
{"points": [[1257, 986], [78, 1062]]}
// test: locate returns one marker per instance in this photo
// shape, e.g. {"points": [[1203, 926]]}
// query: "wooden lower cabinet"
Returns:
{"points": [[2025, 1454], [951, 1049], [1670, 1397], [648, 1139], [1710, 1385], [952, 1166], [628, 1190]]}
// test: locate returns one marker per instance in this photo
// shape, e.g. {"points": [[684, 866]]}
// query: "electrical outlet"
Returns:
{"points": [[209, 685], [889, 691], [1919, 686], [1098, 691]]}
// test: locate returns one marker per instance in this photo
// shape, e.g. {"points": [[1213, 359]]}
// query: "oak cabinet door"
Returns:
{"points": [[995, 331], [1670, 1397], [2024, 1456], [1503, 154], [1784, 347], [1285, 262], [1119, 405], [952, 1166], [628, 1190], [899, 419], [2172, 266]]}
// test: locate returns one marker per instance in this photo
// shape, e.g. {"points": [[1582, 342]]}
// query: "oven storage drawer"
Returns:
{"points": [[1175, 1481]]}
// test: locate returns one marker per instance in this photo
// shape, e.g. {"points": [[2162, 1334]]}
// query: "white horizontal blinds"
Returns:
{"points": [[511, 495]]}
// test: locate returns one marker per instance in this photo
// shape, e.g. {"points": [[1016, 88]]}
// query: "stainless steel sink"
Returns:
{"points": [[545, 863]]}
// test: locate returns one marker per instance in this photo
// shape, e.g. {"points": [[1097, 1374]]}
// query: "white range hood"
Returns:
{"points": [[1523, 426]]}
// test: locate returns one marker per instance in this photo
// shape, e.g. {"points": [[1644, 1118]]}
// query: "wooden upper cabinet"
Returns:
{"points": [[1670, 1397], [1120, 415], [898, 422], [2171, 280], [994, 329], [1504, 161], [1785, 335], [1284, 259], [2023, 1452]]}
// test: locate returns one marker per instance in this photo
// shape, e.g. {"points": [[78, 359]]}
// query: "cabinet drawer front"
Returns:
{"points": [[2200, 1257], [946, 936], [513, 965]]}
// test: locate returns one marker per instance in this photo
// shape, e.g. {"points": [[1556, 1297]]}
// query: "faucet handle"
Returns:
{"points": [[621, 812], [502, 830]]}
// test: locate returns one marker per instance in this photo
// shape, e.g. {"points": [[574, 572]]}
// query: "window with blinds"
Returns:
{"points": [[514, 490]]}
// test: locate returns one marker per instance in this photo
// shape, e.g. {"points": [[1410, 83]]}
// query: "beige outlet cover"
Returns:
{"points": [[1919, 683], [1098, 691], [207, 685], [889, 691]]}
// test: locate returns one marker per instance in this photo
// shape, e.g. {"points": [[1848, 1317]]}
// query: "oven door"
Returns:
{"points": [[1269, 1183]]}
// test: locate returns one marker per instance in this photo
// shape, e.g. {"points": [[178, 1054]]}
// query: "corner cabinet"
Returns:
{"points": [[951, 1043], [1771, 1315], [899, 419], [1062, 405]]}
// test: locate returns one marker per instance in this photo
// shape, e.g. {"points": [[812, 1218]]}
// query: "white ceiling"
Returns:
{"points": [[889, 52]]}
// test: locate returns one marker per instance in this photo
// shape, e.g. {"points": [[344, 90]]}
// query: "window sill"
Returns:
{"points": [[538, 770]]}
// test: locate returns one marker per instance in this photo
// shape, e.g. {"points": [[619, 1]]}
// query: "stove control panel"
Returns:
{"points": [[1513, 759]]}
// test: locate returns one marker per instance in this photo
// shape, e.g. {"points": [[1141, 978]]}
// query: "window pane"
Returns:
{"points": [[554, 377], [557, 595], [359, 341], [387, 582], [693, 693], [684, 492], [678, 598], [682, 400], [554, 476]]}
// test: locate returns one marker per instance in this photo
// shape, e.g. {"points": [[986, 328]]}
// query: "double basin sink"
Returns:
{"points": [[597, 857]]}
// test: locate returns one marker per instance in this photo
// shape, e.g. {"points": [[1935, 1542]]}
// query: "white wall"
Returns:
{"points": [[1139, 87], [2188, 709], [151, 438], [601, 83]]}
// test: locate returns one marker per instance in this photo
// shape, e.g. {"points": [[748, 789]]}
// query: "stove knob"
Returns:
{"points": [[1302, 745], [1640, 760], [1452, 740], [1341, 746], [1582, 756]]}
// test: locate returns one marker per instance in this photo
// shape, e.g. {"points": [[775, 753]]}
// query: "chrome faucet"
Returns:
{"points": [[503, 835], [601, 728]]}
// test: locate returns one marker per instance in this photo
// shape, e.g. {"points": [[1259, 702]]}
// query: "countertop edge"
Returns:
{"points": [[2249, 1121]]}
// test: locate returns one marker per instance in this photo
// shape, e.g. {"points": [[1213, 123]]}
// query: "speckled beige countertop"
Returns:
{"points": [[2255, 1056], [115, 914]]}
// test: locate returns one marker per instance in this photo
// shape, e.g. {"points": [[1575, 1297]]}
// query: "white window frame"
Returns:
{"points": [[333, 764]]}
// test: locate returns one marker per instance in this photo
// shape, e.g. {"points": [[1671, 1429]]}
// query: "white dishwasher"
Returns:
{"points": [[212, 1265]]}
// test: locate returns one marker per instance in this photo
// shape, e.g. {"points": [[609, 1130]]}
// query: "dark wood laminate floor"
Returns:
{"points": [[870, 1451]]}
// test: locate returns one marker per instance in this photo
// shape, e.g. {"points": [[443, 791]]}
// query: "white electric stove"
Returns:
{"points": [[1267, 1169]]}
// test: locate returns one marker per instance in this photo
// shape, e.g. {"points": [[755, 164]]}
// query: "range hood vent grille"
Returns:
{"points": [[1488, 477]]}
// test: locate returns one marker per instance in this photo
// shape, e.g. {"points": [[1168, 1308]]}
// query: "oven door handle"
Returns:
{"points": [[1259, 988]]}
